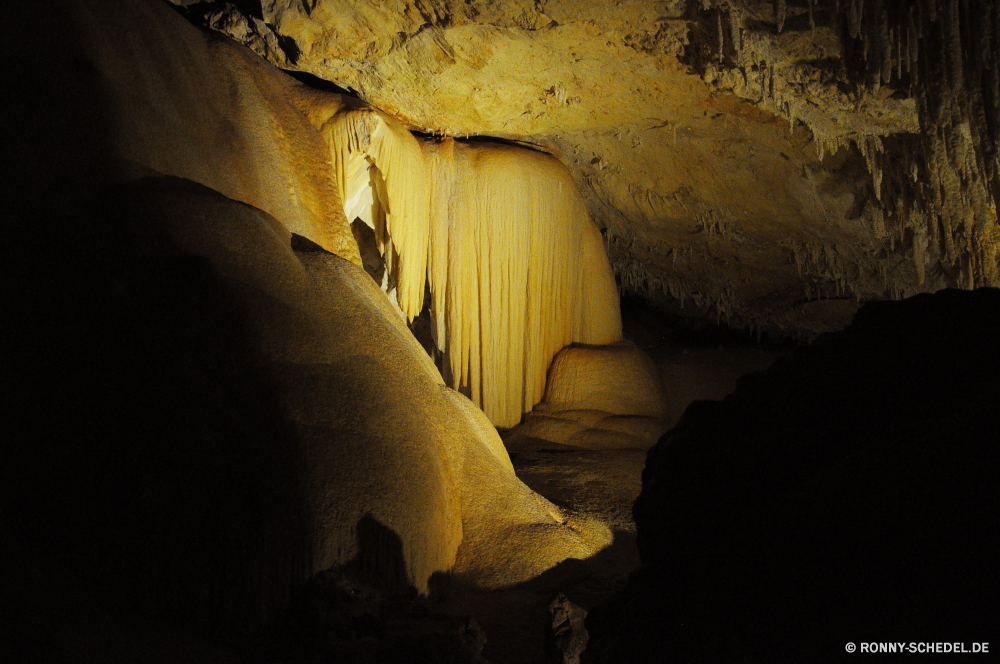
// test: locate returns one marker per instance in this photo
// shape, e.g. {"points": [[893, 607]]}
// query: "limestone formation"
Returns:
{"points": [[499, 235], [600, 397], [204, 417], [208, 401], [748, 160], [565, 633], [618, 379]]}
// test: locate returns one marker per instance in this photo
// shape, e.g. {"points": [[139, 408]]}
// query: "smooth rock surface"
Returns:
{"points": [[110, 92], [199, 419]]}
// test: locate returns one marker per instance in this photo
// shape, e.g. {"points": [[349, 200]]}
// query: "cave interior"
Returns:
{"points": [[500, 331]]}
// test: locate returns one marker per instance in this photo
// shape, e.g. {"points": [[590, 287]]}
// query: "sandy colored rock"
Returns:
{"points": [[619, 379], [372, 433], [499, 235], [743, 161], [150, 95]]}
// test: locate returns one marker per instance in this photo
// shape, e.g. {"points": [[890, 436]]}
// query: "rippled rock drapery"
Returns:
{"points": [[848, 493]]}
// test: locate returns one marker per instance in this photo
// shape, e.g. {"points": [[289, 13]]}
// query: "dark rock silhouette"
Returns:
{"points": [[565, 633], [846, 494], [143, 445], [366, 612]]}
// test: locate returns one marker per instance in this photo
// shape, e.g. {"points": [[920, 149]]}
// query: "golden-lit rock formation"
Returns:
{"points": [[618, 379], [378, 434], [382, 436], [600, 397], [769, 163], [166, 100], [515, 268]]}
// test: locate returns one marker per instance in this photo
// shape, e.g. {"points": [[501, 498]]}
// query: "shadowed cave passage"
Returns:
{"points": [[367, 611], [371, 257], [846, 494]]}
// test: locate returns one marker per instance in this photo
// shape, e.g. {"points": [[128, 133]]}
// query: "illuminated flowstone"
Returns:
{"points": [[516, 268], [370, 432]]}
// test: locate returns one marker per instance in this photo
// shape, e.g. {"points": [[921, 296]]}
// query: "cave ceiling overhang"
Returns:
{"points": [[772, 164]]}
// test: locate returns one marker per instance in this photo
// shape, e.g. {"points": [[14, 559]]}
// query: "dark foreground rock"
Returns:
{"points": [[565, 633], [847, 494], [345, 617]]}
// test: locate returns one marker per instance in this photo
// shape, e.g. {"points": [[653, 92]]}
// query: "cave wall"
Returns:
{"points": [[104, 94]]}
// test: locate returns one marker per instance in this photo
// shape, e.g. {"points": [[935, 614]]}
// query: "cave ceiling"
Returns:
{"points": [[770, 164]]}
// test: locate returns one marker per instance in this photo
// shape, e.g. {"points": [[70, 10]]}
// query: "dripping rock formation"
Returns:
{"points": [[206, 399]]}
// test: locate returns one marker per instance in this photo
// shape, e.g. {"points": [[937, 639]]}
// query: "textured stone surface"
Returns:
{"points": [[105, 96], [600, 398], [746, 159], [618, 379], [230, 417]]}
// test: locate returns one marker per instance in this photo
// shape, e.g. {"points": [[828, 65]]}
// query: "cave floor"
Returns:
{"points": [[603, 484], [599, 484]]}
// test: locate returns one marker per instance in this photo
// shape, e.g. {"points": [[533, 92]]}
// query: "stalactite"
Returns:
{"points": [[913, 52], [722, 50], [368, 133], [935, 193], [780, 10], [884, 71], [515, 267], [871, 147], [954, 49], [735, 34], [947, 50]]}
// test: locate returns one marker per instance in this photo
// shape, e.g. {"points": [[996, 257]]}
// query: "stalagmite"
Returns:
{"points": [[515, 267]]}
